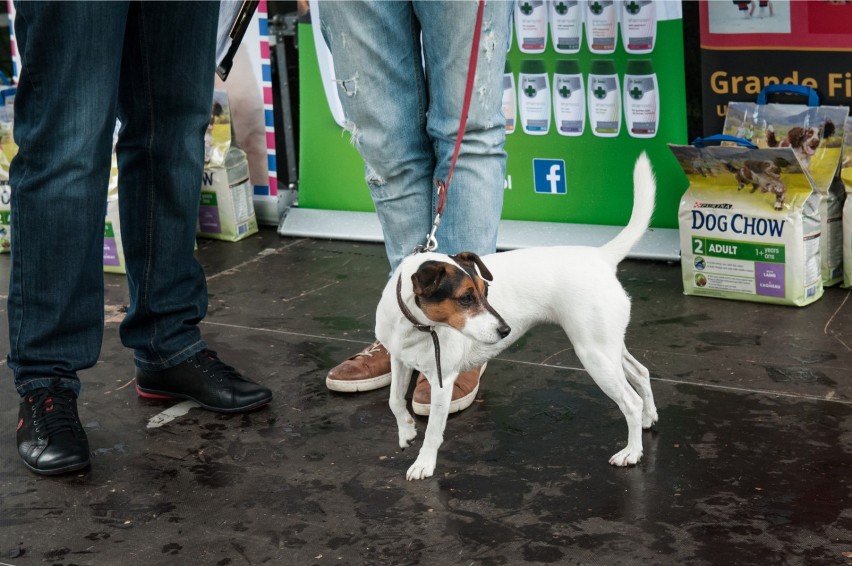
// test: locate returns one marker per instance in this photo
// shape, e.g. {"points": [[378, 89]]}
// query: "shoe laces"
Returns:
{"points": [[209, 363], [368, 352], [53, 411]]}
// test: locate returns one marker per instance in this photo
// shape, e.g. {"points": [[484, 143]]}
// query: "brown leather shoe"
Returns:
{"points": [[464, 392], [367, 370]]}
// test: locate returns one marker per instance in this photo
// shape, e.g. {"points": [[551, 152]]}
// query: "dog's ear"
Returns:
{"points": [[828, 129], [428, 277], [473, 261], [796, 136]]}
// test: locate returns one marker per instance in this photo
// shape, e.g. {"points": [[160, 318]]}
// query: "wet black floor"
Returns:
{"points": [[751, 462]]}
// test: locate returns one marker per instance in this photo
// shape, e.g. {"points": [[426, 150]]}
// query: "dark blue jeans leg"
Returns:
{"points": [[165, 99], [64, 120]]}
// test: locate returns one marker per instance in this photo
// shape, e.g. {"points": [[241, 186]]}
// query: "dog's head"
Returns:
{"points": [[805, 140], [456, 294]]}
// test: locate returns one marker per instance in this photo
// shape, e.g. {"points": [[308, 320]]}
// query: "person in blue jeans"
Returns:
{"points": [[151, 65], [401, 70]]}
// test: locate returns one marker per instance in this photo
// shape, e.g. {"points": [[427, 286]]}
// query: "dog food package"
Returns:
{"points": [[113, 250], [8, 150], [846, 181], [749, 225], [227, 195], [815, 135]]}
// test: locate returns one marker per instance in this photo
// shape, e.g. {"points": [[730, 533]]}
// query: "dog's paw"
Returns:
{"points": [[649, 419], [421, 469], [626, 457], [407, 432]]}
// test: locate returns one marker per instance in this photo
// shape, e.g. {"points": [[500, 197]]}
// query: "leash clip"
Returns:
{"points": [[431, 239]]}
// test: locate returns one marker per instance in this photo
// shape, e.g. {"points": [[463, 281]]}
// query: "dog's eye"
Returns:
{"points": [[468, 299]]}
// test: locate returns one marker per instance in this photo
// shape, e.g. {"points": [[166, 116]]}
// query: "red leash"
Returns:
{"points": [[443, 186]]}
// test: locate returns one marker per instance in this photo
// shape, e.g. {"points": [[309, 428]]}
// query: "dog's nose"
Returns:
{"points": [[504, 330]]}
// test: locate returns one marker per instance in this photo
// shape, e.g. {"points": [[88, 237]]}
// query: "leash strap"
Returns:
{"points": [[422, 328], [440, 185]]}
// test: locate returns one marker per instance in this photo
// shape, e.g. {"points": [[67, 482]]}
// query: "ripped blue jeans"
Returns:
{"points": [[403, 104]]}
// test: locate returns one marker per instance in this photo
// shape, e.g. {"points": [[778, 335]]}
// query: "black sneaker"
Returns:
{"points": [[208, 381], [50, 438]]}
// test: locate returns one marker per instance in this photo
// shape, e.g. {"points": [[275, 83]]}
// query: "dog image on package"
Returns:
{"points": [[749, 226], [443, 315], [815, 136]]}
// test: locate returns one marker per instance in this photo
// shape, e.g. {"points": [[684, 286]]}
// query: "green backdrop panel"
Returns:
{"points": [[599, 170]]}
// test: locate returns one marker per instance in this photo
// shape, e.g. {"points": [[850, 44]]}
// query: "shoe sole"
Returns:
{"points": [[358, 385], [460, 404], [165, 395], [60, 471]]}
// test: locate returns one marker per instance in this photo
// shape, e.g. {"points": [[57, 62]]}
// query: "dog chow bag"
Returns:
{"points": [[8, 150], [846, 182], [749, 226], [814, 133], [227, 205]]}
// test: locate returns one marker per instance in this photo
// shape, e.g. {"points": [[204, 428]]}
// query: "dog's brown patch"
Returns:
{"points": [[449, 294]]}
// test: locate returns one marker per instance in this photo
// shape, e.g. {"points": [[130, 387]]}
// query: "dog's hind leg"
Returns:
{"points": [[605, 367], [639, 378], [439, 408], [400, 379]]}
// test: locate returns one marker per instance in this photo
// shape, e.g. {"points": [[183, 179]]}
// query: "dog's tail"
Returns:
{"points": [[644, 190]]}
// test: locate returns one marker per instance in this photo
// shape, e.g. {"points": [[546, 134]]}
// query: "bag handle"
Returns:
{"points": [[701, 142], [813, 97]]}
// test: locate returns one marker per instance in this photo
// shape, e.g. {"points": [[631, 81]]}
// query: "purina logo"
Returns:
{"points": [[549, 176], [724, 206]]}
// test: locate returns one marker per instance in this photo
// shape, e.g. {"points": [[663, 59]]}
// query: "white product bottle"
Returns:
{"points": [[641, 99], [566, 25], [569, 98], [509, 106], [534, 97], [531, 25], [638, 25], [601, 26], [604, 99]]}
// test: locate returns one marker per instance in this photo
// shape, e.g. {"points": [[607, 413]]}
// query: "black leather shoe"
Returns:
{"points": [[50, 438], [208, 381]]}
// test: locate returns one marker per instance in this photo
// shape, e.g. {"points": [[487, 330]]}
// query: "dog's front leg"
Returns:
{"points": [[400, 379], [439, 409]]}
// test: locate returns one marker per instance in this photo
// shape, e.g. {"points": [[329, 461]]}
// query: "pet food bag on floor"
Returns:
{"points": [[815, 135], [227, 205], [846, 180], [113, 250], [749, 225], [8, 150]]}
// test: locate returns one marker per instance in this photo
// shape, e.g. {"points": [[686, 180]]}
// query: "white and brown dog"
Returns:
{"points": [[438, 299]]}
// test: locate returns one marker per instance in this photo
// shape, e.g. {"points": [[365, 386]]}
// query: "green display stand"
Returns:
{"points": [[598, 189]]}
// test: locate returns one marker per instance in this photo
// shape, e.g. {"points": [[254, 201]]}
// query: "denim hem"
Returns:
{"points": [[34, 383], [171, 361]]}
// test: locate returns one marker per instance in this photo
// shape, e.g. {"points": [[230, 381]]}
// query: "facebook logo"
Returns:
{"points": [[549, 176]]}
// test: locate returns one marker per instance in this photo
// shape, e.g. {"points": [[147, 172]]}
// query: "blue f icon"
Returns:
{"points": [[549, 176]]}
